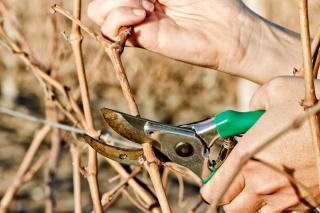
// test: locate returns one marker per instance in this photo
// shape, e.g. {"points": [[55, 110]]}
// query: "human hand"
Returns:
{"points": [[211, 33], [257, 187]]}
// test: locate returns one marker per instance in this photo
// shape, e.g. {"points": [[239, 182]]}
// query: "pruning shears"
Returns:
{"points": [[195, 145]]}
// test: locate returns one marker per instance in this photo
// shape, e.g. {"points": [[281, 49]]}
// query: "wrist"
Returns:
{"points": [[238, 44], [264, 50], [276, 52]]}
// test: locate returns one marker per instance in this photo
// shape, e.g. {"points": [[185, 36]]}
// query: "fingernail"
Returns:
{"points": [[138, 12], [147, 5]]}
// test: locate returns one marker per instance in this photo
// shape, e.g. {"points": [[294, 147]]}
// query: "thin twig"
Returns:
{"points": [[114, 55], [165, 177], [310, 95], [151, 162], [90, 71], [134, 202], [67, 113], [109, 196], [113, 50], [316, 64], [315, 43], [51, 113], [314, 46], [152, 166], [196, 206], [13, 21], [114, 178], [40, 74], [55, 49], [24, 166], [115, 197], [76, 40], [35, 167], [75, 154], [144, 194], [181, 202], [102, 40]]}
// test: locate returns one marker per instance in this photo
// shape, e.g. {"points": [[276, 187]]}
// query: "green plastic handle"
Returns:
{"points": [[207, 179], [231, 123]]}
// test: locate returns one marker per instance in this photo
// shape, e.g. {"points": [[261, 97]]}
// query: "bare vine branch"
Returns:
{"points": [[75, 154], [76, 39], [24, 167], [310, 94]]}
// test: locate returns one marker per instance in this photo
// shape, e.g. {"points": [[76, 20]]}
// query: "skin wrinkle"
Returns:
{"points": [[174, 13], [247, 35], [282, 202], [244, 198], [197, 51], [258, 50]]}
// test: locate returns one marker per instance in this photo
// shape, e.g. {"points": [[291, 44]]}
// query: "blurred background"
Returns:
{"points": [[165, 90]]}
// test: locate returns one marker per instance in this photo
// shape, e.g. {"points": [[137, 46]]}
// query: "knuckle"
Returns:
{"points": [[112, 23], [261, 190], [224, 201], [249, 168]]}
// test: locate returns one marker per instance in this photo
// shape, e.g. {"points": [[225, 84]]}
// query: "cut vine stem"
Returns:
{"points": [[151, 162]]}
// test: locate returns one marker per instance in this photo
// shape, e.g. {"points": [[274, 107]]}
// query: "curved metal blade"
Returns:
{"points": [[128, 126], [142, 130], [121, 155]]}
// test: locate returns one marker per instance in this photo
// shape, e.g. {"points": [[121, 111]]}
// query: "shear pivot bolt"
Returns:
{"points": [[184, 149], [123, 156]]}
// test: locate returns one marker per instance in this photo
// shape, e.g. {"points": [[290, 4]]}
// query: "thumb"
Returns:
{"points": [[212, 189], [122, 17]]}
